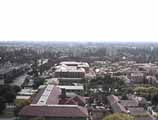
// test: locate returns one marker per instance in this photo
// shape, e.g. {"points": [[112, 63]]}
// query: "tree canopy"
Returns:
{"points": [[119, 116], [2, 104], [38, 118], [150, 93], [108, 82], [7, 95]]}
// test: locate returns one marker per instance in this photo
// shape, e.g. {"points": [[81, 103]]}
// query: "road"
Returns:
{"points": [[19, 80]]}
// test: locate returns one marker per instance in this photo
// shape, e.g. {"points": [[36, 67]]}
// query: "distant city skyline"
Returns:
{"points": [[84, 20]]}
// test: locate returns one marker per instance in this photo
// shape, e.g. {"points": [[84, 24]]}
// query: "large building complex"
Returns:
{"points": [[71, 72], [52, 102]]}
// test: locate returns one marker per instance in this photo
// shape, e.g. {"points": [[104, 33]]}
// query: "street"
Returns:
{"points": [[19, 80]]}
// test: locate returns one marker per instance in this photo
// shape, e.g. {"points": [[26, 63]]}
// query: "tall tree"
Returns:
{"points": [[2, 104], [119, 116]]}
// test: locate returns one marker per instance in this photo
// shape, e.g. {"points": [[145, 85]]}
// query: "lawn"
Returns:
{"points": [[7, 114]]}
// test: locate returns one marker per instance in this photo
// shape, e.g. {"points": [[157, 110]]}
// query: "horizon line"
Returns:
{"points": [[75, 41]]}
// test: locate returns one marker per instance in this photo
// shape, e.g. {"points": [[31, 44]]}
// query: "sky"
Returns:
{"points": [[79, 20]]}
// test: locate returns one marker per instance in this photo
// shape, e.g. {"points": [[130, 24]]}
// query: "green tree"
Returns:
{"points": [[107, 82], [124, 97], [154, 100], [38, 118], [147, 92], [10, 97], [16, 89], [20, 104], [2, 104], [8, 93], [38, 82], [119, 116]]}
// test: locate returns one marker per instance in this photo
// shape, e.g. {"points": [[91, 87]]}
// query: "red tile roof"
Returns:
{"points": [[54, 96], [55, 106], [54, 111], [77, 100]]}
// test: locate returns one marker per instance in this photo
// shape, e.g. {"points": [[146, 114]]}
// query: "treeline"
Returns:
{"points": [[108, 84], [22, 55], [141, 55], [150, 93], [7, 95]]}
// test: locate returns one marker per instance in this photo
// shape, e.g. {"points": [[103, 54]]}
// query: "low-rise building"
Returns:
{"points": [[75, 89], [52, 102], [130, 106], [137, 77]]}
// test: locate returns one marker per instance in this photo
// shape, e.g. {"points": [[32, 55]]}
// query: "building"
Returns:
{"points": [[71, 72], [74, 89], [7, 74], [151, 80], [137, 77], [54, 112], [115, 105], [77, 64], [52, 102], [129, 106], [77, 89]]}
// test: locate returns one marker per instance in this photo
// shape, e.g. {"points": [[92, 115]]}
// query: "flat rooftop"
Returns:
{"points": [[63, 68], [70, 63], [71, 87]]}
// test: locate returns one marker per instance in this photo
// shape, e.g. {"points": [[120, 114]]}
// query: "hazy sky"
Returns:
{"points": [[75, 20]]}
